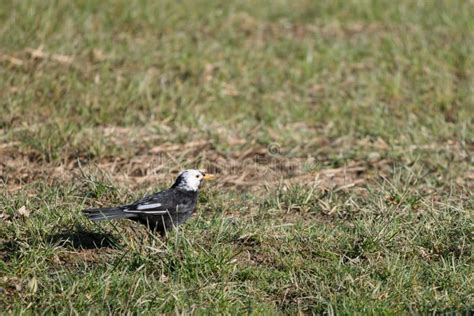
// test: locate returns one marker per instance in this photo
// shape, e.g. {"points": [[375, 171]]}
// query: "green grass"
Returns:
{"points": [[341, 131]]}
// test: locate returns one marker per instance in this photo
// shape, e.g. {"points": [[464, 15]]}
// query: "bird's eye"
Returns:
{"points": [[197, 176]]}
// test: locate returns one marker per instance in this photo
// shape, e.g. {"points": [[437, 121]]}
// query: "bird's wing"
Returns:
{"points": [[158, 203]]}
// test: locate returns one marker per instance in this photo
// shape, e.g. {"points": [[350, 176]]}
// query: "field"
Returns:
{"points": [[341, 133]]}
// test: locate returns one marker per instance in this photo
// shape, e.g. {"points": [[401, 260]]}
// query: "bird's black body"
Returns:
{"points": [[179, 206], [161, 211]]}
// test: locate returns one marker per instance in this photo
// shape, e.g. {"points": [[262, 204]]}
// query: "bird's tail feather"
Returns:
{"points": [[99, 214]]}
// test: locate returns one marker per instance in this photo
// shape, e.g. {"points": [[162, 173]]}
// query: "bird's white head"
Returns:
{"points": [[191, 179]]}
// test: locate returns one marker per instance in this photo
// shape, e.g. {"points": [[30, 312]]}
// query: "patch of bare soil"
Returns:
{"points": [[252, 170], [251, 167]]}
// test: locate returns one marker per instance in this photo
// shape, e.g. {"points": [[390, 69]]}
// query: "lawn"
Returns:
{"points": [[341, 133]]}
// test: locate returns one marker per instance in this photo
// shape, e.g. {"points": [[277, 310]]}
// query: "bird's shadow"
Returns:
{"points": [[81, 238]]}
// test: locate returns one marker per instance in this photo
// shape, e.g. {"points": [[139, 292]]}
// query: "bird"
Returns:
{"points": [[161, 211]]}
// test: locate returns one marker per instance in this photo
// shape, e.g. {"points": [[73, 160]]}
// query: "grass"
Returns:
{"points": [[341, 133]]}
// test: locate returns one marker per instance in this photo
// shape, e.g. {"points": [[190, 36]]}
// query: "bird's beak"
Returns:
{"points": [[209, 176]]}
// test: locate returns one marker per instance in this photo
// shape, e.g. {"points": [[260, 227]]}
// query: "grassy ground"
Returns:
{"points": [[341, 131]]}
